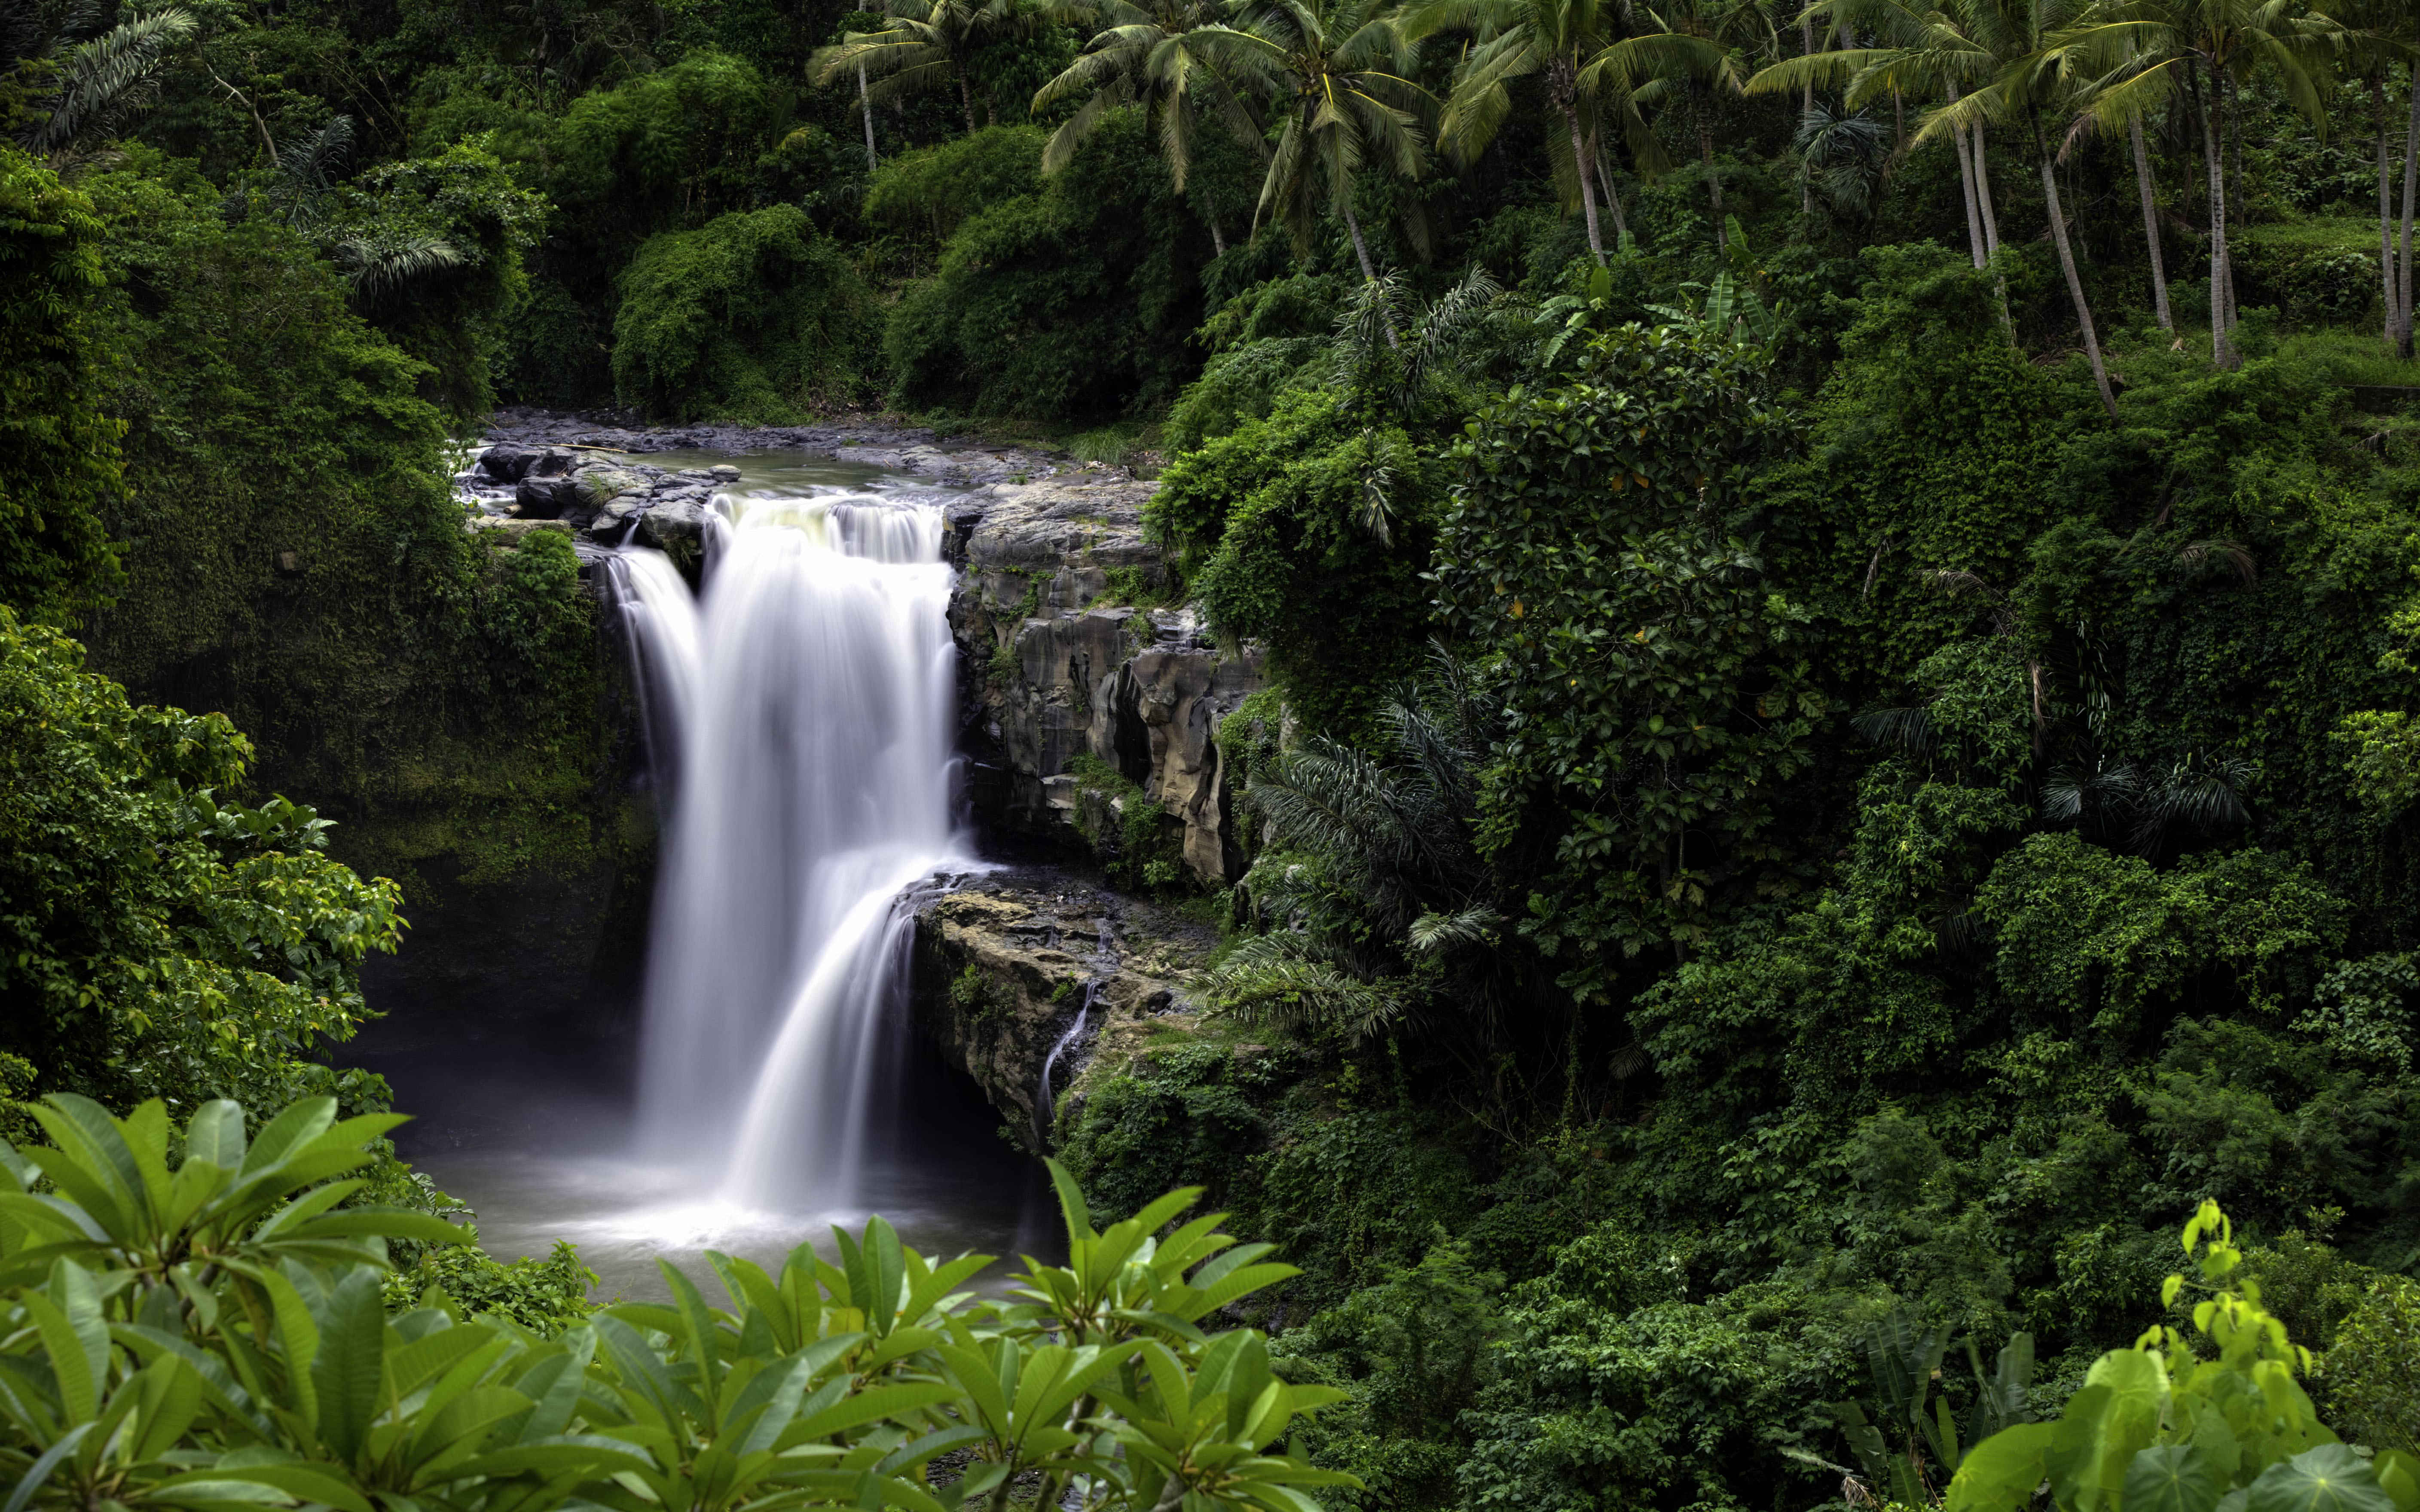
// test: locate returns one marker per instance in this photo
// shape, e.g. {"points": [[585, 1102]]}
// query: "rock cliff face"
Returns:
{"points": [[1057, 664], [1019, 965]]}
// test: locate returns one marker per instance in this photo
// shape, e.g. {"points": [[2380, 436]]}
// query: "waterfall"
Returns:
{"points": [[806, 696]]}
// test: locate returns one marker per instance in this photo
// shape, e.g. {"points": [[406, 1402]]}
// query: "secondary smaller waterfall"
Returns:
{"points": [[805, 701]]}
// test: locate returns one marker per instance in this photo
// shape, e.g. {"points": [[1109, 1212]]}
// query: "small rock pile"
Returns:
{"points": [[519, 488]]}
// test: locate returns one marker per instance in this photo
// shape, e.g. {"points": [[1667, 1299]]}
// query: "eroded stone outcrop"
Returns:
{"points": [[1059, 664], [1005, 966]]}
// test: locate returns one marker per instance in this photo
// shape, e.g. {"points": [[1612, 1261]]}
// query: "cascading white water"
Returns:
{"points": [[814, 785]]}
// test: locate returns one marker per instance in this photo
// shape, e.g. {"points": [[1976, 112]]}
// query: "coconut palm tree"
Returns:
{"points": [[2380, 36], [2035, 81], [927, 45], [2140, 53], [1338, 72], [1150, 54], [1684, 48], [1518, 38], [1919, 51]]}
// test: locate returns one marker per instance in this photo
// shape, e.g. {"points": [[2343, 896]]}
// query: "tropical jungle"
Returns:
{"points": [[1681, 766]]}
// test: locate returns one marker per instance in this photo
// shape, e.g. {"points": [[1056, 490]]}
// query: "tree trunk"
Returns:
{"points": [[1898, 120], [1612, 195], [967, 103], [1984, 197], [1361, 249], [1806, 108], [1217, 238], [1580, 156], [2074, 281], [2387, 219], [1974, 216], [2410, 166], [2150, 224], [865, 102], [2221, 350], [1967, 182], [1714, 185]]}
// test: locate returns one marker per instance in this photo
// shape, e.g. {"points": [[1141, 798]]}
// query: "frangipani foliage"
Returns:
{"points": [[210, 1337], [2217, 1423]]}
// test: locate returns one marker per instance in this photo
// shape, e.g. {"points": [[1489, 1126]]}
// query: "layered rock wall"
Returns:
{"points": [[1057, 664], [1007, 967]]}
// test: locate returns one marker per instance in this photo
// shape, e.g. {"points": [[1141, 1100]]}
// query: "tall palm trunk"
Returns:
{"points": [[966, 103], [2074, 281], [2386, 272], [1217, 238], [1713, 184], [2151, 223], [1967, 182], [1361, 249], [865, 103], [1612, 195], [2222, 351], [2411, 167], [1806, 108], [1587, 186], [1984, 197]]}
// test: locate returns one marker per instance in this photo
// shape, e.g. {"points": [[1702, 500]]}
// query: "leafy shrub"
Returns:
{"points": [[58, 452], [217, 1336], [751, 319], [459, 320], [2372, 1376], [1066, 305], [2164, 1424], [159, 939], [1594, 557], [932, 190], [545, 1296], [1279, 538]]}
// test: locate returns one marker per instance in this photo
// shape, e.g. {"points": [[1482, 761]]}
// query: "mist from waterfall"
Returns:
{"points": [[801, 715]]}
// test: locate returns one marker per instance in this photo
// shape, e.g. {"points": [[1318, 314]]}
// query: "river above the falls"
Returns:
{"points": [[539, 1132]]}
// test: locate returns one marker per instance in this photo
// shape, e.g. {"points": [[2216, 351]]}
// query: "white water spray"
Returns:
{"points": [[812, 785]]}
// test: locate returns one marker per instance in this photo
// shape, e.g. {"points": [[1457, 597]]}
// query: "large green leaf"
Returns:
{"points": [[2000, 1473], [351, 1359], [2329, 1478], [2171, 1477]]}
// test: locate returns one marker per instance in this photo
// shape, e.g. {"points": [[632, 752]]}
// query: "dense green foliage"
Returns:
{"points": [[748, 318], [1834, 761], [216, 1337], [163, 939], [58, 442]]}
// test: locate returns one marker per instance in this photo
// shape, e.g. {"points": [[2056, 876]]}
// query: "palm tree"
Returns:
{"points": [[927, 45], [1925, 50], [2380, 33], [1684, 45], [1150, 54], [1516, 38], [1339, 70], [2034, 78], [2140, 53], [1370, 877], [100, 82]]}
